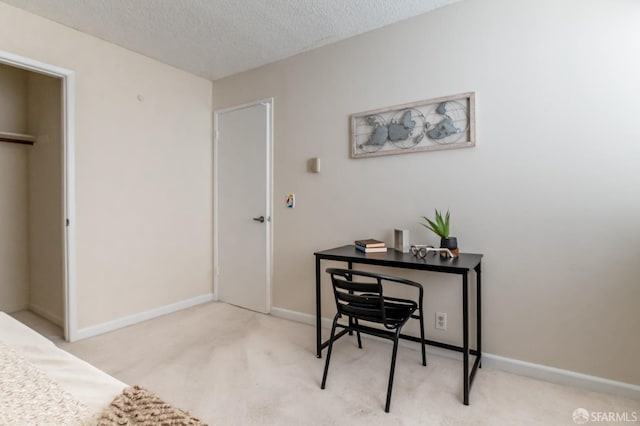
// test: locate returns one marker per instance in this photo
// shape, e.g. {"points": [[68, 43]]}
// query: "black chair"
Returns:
{"points": [[363, 301]]}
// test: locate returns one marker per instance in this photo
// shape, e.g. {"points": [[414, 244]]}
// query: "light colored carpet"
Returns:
{"points": [[230, 366]]}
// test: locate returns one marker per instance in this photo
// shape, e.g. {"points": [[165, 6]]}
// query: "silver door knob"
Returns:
{"points": [[259, 219]]}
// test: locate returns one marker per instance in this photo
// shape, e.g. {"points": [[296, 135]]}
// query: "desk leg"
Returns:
{"points": [[350, 266], [465, 337], [478, 315], [318, 312]]}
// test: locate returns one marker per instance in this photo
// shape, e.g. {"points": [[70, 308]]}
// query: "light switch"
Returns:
{"points": [[313, 165]]}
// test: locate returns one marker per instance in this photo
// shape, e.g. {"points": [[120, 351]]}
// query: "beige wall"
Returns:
{"points": [[549, 194], [13, 99], [46, 220], [14, 227], [143, 170], [14, 202]]}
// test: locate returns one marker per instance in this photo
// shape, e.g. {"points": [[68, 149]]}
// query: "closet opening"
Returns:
{"points": [[36, 195]]}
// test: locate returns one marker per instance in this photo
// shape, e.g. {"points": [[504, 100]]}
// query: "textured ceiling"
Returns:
{"points": [[217, 38]]}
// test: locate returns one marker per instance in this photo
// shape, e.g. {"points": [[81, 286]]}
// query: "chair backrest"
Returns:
{"points": [[361, 300]]}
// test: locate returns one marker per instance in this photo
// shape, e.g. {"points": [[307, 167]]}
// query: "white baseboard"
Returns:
{"points": [[298, 317], [510, 365], [561, 376], [108, 326], [44, 313]]}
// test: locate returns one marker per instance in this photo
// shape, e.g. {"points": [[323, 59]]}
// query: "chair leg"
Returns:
{"points": [[358, 334], [424, 353], [392, 371], [326, 364]]}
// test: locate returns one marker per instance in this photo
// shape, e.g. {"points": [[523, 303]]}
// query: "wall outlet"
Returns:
{"points": [[441, 320]]}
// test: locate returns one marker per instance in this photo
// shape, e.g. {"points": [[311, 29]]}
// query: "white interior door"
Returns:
{"points": [[243, 207]]}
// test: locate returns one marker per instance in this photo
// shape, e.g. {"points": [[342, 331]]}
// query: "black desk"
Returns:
{"points": [[433, 262]]}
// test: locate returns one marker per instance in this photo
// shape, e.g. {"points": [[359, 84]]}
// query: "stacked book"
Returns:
{"points": [[371, 246]]}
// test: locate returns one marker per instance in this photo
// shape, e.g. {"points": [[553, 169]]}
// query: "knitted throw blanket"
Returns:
{"points": [[30, 397], [137, 406]]}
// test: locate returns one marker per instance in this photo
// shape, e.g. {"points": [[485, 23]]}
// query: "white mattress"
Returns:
{"points": [[90, 386]]}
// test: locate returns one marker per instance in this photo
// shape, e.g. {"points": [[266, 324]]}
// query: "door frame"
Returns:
{"points": [[268, 102], [67, 78]]}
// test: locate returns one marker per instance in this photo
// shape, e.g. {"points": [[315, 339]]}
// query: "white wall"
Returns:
{"points": [[143, 170], [549, 194], [46, 284], [14, 203]]}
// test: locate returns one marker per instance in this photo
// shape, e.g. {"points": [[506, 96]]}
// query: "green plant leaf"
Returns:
{"points": [[439, 226], [446, 224], [436, 227]]}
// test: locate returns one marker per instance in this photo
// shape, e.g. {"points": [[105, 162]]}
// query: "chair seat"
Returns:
{"points": [[397, 310]]}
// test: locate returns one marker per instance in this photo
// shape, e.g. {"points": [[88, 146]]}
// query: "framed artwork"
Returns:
{"points": [[430, 125]]}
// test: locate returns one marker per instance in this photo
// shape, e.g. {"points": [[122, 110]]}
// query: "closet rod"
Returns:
{"points": [[16, 140]]}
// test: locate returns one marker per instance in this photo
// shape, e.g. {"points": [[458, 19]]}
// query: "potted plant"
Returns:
{"points": [[440, 226]]}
